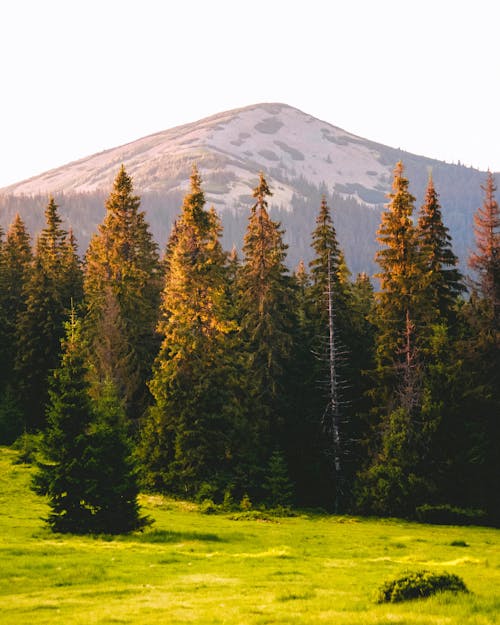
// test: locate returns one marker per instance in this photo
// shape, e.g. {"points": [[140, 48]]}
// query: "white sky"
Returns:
{"points": [[81, 76]]}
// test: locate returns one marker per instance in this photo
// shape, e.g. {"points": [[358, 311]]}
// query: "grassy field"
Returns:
{"points": [[195, 568]]}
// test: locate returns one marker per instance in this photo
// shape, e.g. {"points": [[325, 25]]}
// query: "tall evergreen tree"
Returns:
{"points": [[439, 385], [481, 350], [330, 312], [15, 265], [123, 258], [87, 473], [266, 309], [439, 261], [401, 298], [195, 434], [54, 286], [486, 259], [395, 482], [328, 263]]}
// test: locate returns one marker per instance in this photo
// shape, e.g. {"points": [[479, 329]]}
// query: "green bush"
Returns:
{"points": [[278, 485], [245, 503], [207, 506], [206, 491], [28, 446], [228, 503], [445, 514], [419, 584]]}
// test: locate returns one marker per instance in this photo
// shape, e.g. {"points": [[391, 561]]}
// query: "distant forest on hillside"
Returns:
{"points": [[356, 216], [178, 364]]}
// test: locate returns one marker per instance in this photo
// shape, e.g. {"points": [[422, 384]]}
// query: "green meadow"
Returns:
{"points": [[190, 567]]}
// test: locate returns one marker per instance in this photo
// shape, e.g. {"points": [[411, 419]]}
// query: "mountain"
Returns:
{"points": [[302, 157]]}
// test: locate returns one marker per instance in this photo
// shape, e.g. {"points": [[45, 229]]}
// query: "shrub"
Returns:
{"points": [[445, 514], [207, 506], [419, 584], [245, 503], [228, 503], [28, 446], [206, 491], [277, 483]]}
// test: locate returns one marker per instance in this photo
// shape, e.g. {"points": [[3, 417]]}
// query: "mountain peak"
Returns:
{"points": [[303, 157], [276, 138]]}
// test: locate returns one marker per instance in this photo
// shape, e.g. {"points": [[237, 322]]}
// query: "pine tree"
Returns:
{"points": [[69, 417], [330, 312], [439, 261], [362, 361], [328, 267], [112, 472], [402, 277], [435, 385], [15, 265], [123, 257], [395, 482], [266, 309], [481, 351], [53, 287], [87, 472], [305, 460], [71, 279], [486, 259], [277, 482], [195, 432]]}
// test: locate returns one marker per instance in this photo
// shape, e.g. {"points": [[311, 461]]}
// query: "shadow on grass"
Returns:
{"points": [[170, 536]]}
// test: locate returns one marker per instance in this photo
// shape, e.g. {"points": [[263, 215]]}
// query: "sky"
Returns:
{"points": [[81, 76]]}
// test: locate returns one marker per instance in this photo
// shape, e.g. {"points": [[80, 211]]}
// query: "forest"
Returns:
{"points": [[220, 376]]}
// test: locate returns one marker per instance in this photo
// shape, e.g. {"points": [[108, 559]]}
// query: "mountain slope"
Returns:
{"points": [[302, 157]]}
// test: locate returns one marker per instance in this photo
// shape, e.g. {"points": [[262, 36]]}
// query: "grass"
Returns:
{"points": [[193, 568]]}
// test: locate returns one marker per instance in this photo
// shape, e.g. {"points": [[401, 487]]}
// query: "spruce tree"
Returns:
{"points": [[445, 282], [61, 475], [485, 260], [53, 287], [277, 482], [481, 349], [330, 307], [15, 266], [328, 265], [122, 258], [267, 320], [440, 378], [395, 481], [195, 432], [112, 471], [403, 280], [87, 472], [305, 462]]}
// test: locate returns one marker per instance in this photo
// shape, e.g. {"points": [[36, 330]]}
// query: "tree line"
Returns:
{"points": [[202, 374]]}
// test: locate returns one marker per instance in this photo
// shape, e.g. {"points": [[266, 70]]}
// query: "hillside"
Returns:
{"points": [[303, 157]]}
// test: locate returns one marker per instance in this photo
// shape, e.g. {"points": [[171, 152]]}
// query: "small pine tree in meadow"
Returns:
{"points": [[62, 473], [278, 485], [86, 472], [112, 473]]}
